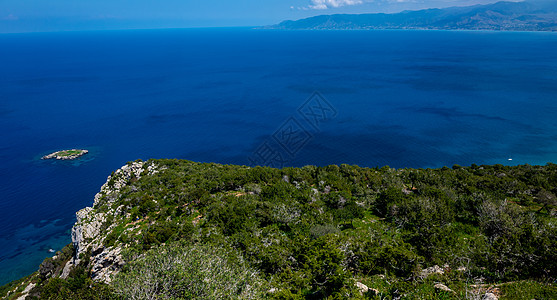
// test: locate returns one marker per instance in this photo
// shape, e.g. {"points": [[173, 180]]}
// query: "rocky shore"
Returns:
{"points": [[66, 154]]}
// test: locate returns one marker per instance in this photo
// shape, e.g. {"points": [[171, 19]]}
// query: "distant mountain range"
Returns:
{"points": [[531, 15]]}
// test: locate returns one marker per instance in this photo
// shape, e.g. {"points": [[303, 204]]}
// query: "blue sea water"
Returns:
{"points": [[402, 98]]}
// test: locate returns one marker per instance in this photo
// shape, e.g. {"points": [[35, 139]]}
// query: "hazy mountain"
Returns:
{"points": [[538, 15]]}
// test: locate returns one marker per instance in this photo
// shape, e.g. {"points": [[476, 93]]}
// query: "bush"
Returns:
{"points": [[526, 290], [387, 199], [181, 271]]}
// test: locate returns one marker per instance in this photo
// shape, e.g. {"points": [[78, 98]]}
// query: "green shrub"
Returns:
{"points": [[527, 290], [182, 271]]}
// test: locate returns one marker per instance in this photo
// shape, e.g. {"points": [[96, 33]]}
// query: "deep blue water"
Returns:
{"points": [[402, 98]]}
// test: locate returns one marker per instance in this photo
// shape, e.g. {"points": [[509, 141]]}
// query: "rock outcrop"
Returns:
{"points": [[489, 296], [120, 178], [432, 270], [442, 287], [107, 263], [26, 291], [362, 288], [87, 229], [92, 226], [66, 154]]}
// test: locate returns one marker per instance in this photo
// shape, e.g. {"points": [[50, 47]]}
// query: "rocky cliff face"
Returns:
{"points": [[93, 224]]}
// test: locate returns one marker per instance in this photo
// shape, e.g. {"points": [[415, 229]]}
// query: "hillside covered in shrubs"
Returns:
{"points": [[176, 229]]}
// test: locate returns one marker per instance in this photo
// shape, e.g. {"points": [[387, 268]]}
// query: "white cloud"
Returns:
{"points": [[325, 4]]}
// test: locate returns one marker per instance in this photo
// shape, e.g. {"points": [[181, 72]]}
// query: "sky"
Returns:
{"points": [[71, 15]]}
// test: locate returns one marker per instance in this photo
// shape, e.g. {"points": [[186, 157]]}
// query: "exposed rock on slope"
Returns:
{"points": [[92, 226]]}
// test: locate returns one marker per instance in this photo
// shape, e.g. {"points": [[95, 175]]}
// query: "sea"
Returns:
{"points": [[402, 98]]}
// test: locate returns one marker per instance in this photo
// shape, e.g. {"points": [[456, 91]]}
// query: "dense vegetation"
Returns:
{"points": [[210, 231]]}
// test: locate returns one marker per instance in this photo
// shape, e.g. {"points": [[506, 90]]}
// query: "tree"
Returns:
{"points": [[546, 199]]}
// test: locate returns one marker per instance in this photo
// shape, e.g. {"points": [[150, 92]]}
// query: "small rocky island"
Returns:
{"points": [[66, 154]]}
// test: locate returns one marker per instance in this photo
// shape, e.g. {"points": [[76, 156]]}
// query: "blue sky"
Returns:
{"points": [[63, 15]]}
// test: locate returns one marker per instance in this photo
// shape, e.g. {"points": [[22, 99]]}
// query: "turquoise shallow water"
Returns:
{"points": [[398, 98]]}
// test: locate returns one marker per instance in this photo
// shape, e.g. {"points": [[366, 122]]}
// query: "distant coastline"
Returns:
{"points": [[500, 16], [66, 154]]}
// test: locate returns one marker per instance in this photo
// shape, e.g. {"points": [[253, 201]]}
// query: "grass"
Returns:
{"points": [[69, 152]]}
